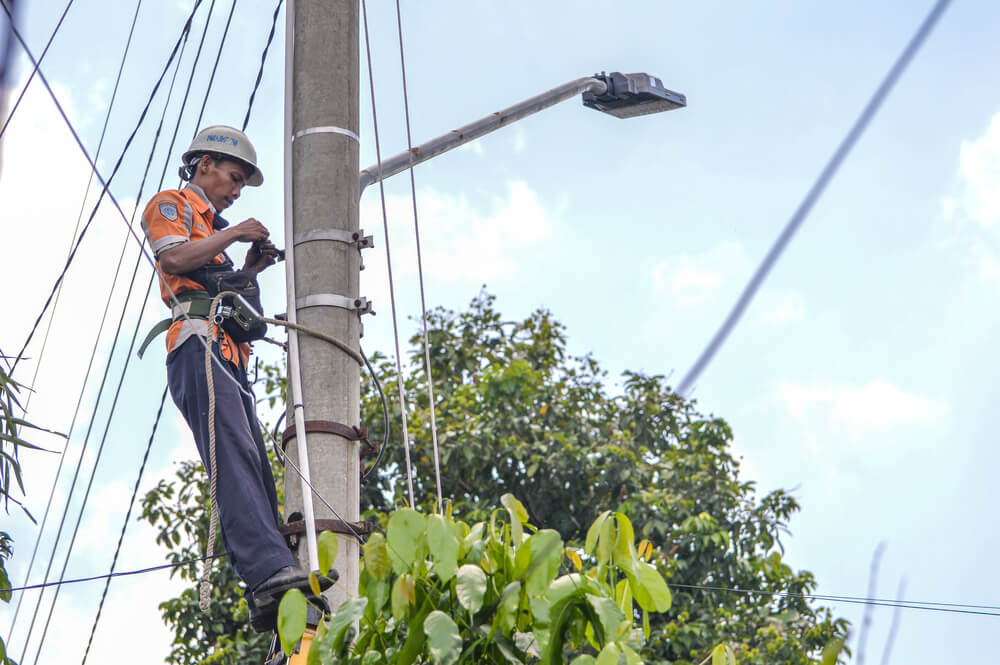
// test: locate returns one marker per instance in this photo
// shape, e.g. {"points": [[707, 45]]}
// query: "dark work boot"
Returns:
{"points": [[267, 595]]}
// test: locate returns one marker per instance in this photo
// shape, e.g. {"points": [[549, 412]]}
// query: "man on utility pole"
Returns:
{"points": [[322, 193]]}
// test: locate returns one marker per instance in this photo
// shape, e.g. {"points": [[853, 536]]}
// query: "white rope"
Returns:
{"points": [[204, 584], [420, 266], [388, 261]]}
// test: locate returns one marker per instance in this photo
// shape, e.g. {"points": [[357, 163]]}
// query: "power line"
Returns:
{"points": [[106, 184], [263, 59], [34, 70], [41, 355], [128, 516], [124, 573], [388, 261], [813, 195], [857, 600], [420, 266], [135, 335], [211, 79]]}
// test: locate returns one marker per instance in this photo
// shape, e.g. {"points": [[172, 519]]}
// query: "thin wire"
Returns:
{"points": [[211, 79], [909, 605], [106, 190], [388, 259], [41, 355], [124, 573], [128, 516], [135, 334], [385, 418], [105, 184], [420, 265], [107, 368], [817, 189], [263, 59], [34, 70]]}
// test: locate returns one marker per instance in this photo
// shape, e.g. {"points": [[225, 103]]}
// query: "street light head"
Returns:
{"points": [[630, 95]]}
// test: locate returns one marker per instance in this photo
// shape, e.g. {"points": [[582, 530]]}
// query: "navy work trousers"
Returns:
{"points": [[245, 491]]}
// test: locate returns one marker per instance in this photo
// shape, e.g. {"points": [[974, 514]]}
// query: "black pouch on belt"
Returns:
{"points": [[242, 324]]}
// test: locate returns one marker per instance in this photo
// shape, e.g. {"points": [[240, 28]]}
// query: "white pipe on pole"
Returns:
{"points": [[294, 374]]}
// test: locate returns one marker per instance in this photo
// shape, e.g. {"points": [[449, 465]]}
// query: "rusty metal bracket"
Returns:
{"points": [[349, 432], [293, 530]]}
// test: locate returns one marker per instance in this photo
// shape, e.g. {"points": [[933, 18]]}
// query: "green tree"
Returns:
{"points": [[517, 413]]}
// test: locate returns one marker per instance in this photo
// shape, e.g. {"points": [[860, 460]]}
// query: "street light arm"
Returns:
{"points": [[421, 153]]}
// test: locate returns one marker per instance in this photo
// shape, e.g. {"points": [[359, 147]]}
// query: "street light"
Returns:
{"points": [[631, 95], [620, 95]]}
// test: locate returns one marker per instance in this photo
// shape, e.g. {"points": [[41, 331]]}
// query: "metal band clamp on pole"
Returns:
{"points": [[326, 130]]}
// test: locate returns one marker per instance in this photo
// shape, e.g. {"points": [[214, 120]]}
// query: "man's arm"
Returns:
{"points": [[193, 254]]}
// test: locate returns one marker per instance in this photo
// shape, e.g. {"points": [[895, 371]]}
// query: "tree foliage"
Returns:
{"points": [[437, 590], [517, 413]]}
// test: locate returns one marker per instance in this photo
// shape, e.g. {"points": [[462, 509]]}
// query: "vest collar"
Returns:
{"points": [[204, 206]]}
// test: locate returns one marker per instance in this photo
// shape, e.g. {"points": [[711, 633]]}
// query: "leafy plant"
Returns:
{"points": [[11, 479], [434, 589]]}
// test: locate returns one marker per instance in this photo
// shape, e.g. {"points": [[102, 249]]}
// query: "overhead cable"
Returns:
{"points": [[211, 79], [263, 59], [45, 339], [107, 367], [388, 261], [106, 184], [124, 573], [34, 69], [128, 516], [420, 266], [135, 335], [813, 195]]}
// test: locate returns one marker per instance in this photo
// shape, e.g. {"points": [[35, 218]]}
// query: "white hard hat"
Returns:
{"points": [[228, 141]]}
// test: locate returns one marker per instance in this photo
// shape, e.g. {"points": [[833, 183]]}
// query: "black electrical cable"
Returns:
{"points": [[812, 196], [124, 573], [62, 456], [211, 79], [105, 183], [34, 70], [94, 353], [128, 516], [263, 59], [385, 416], [128, 358]]}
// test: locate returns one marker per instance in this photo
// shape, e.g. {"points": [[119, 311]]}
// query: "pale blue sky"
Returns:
{"points": [[861, 377]]}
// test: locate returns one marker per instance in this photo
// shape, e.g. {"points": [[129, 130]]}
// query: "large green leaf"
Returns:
{"points": [[594, 531], [649, 588], [470, 587], [609, 654], [443, 545], [722, 654], [625, 539], [291, 619], [376, 556], [518, 515], [327, 545], [611, 617], [507, 608], [546, 553], [404, 538], [342, 623], [443, 640]]}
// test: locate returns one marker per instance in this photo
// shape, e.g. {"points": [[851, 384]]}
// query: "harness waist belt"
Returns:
{"points": [[190, 304]]}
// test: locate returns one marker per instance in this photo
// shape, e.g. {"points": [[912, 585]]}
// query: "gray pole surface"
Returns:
{"points": [[325, 199]]}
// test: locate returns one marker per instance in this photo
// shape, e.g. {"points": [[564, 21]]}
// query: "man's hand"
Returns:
{"points": [[250, 230], [263, 254]]}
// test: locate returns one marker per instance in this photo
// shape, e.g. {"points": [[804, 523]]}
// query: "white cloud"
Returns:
{"points": [[693, 279], [974, 204], [875, 407], [475, 147], [782, 309], [460, 241]]}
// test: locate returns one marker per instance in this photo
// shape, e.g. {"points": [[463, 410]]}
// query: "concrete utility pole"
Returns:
{"points": [[325, 193]]}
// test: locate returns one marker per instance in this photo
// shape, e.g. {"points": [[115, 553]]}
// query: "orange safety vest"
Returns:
{"points": [[171, 218]]}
